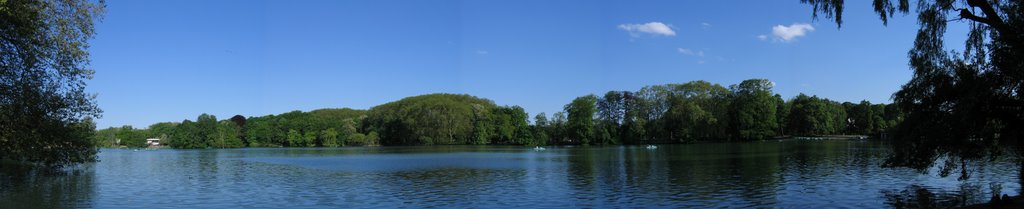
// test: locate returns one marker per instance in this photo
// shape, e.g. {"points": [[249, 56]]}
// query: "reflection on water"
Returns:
{"points": [[917, 196], [789, 174], [22, 187]]}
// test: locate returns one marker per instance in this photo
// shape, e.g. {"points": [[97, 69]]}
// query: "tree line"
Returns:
{"points": [[696, 111], [700, 111], [318, 128]]}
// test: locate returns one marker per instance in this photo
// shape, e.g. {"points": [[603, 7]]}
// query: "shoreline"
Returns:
{"points": [[778, 138]]}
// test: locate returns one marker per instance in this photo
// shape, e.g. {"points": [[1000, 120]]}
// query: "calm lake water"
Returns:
{"points": [[787, 174]]}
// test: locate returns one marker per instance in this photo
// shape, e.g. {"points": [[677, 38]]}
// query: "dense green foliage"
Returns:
{"points": [[959, 106], [122, 136], [700, 111], [816, 116], [610, 110], [311, 129], [448, 119], [754, 110], [581, 119], [697, 111], [432, 119], [324, 127], [689, 112], [45, 113]]}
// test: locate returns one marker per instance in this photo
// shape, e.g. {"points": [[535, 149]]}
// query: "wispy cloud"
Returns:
{"points": [[788, 33], [482, 52], [699, 54], [685, 51], [653, 28], [705, 25]]}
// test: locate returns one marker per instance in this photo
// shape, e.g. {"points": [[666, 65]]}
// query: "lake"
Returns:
{"points": [[786, 174]]}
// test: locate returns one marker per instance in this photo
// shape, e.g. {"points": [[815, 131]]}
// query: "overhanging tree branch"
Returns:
{"points": [[966, 14], [993, 20]]}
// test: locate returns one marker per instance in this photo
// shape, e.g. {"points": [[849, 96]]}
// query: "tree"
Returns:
{"points": [[206, 131], [356, 139], [861, 117], [633, 119], [348, 129], [558, 132], [811, 116], [581, 119], [309, 139], [482, 128], [654, 107], [781, 114], [437, 119], [329, 137], [130, 137], [185, 136], [511, 125], [753, 110], [610, 108], [372, 138], [610, 112], [271, 130], [261, 132], [540, 130], [295, 138], [521, 123], [163, 131], [957, 105], [106, 137], [700, 110], [227, 135], [683, 118], [504, 130], [239, 122], [44, 63]]}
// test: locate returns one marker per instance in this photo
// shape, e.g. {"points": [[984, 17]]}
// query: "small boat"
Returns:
{"points": [[651, 146], [538, 148]]}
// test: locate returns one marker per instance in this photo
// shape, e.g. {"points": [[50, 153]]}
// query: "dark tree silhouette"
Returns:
{"points": [[45, 113], [959, 105], [239, 120]]}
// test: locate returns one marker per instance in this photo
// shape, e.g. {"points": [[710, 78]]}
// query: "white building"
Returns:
{"points": [[152, 142]]}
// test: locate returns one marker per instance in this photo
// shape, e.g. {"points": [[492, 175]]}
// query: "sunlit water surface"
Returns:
{"points": [[787, 174]]}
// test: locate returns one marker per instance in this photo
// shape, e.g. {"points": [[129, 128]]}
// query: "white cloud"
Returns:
{"points": [[699, 53], [653, 28], [482, 52], [789, 33], [705, 25]]}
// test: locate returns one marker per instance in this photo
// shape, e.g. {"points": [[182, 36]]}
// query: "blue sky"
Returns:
{"points": [[162, 61]]}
